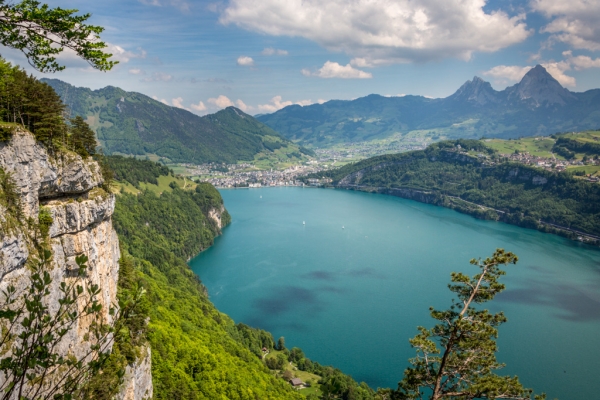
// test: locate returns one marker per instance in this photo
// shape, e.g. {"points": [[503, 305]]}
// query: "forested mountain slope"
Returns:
{"points": [[134, 124], [486, 187], [536, 105]]}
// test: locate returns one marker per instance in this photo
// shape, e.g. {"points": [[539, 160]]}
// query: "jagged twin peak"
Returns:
{"points": [[537, 88]]}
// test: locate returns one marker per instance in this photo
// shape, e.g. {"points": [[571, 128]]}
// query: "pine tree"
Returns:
{"points": [[82, 139], [464, 366]]}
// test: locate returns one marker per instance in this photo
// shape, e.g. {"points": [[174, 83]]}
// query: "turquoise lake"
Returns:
{"points": [[351, 285]]}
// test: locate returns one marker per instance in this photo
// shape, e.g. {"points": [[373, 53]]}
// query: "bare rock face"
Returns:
{"points": [[138, 382], [39, 176], [68, 187], [215, 215]]}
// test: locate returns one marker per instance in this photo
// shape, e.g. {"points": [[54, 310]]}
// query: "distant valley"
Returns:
{"points": [[538, 105], [131, 123]]}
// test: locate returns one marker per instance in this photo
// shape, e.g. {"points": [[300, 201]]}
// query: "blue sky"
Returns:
{"points": [[261, 55]]}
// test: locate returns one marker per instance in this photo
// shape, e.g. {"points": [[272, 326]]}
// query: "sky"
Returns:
{"points": [[262, 55]]}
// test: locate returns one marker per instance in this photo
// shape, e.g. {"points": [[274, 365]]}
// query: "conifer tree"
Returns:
{"points": [[82, 138], [456, 358]]}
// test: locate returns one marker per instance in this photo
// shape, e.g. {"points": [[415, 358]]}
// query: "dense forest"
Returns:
{"points": [[486, 187]]}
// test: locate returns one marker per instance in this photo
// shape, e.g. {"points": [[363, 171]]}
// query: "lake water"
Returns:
{"points": [[351, 285]]}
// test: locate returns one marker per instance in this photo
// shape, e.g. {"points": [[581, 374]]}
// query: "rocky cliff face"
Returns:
{"points": [[69, 189]]}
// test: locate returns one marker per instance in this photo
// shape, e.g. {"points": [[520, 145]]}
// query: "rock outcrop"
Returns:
{"points": [[215, 215], [68, 187]]}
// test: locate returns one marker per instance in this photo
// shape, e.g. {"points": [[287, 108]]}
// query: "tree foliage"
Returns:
{"points": [[82, 138], [456, 358], [32, 366], [42, 33]]}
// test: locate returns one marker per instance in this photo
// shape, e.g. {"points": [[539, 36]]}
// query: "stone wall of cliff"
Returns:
{"points": [[68, 187]]}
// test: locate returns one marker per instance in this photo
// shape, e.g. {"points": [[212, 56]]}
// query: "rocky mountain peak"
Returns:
{"points": [[476, 91], [540, 88]]}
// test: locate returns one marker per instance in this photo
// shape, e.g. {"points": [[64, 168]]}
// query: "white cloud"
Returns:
{"points": [[269, 51], [122, 55], [245, 61], [198, 107], [178, 102], [557, 70], [221, 101], [137, 71], [507, 73], [581, 62], [575, 21], [158, 77], [334, 70], [242, 106], [384, 31]]}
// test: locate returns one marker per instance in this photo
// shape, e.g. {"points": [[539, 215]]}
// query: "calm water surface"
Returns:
{"points": [[351, 285]]}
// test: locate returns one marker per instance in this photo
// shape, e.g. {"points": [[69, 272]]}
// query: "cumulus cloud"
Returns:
{"points": [[242, 106], [581, 62], [269, 51], [245, 61], [122, 55], [198, 107], [574, 22], [178, 102], [334, 70], [158, 77], [384, 31], [221, 101], [507, 73], [558, 69], [276, 103]]}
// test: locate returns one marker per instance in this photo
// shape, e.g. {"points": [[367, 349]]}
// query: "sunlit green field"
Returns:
{"points": [[163, 185], [537, 146]]}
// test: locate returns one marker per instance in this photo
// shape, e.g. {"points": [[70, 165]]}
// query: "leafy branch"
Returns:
{"points": [[42, 33], [32, 365]]}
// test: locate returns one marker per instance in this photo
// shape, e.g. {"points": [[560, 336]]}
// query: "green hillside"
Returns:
{"points": [[131, 123], [472, 177], [197, 352]]}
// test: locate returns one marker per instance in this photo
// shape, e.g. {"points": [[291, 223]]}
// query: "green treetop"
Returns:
{"points": [[464, 366], [42, 33]]}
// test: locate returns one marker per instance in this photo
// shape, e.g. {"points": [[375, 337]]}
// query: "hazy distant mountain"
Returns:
{"points": [[132, 123], [536, 105]]}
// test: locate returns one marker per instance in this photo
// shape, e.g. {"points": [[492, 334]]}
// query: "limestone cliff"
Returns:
{"points": [[68, 187]]}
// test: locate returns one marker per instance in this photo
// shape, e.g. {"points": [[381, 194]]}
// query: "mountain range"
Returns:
{"points": [[134, 124], [537, 105]]}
